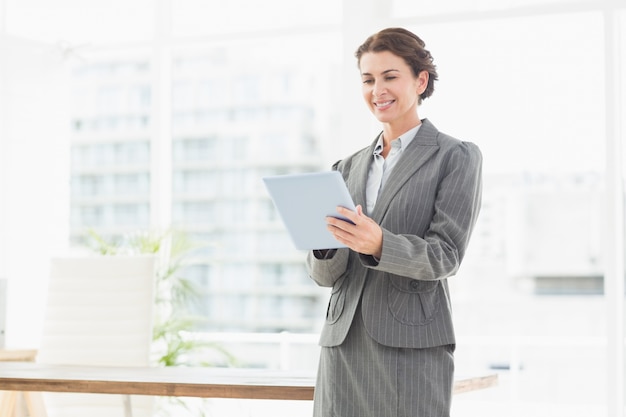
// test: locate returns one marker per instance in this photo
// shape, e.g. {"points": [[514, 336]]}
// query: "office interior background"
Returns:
{"points": [[148, 115]]}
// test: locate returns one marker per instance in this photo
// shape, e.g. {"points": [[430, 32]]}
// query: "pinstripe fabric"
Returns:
{"points": [[427, 210], [363, 378]]}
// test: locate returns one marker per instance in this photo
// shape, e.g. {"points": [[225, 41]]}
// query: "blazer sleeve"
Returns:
{"points": [[438, 253], [326, 271]]}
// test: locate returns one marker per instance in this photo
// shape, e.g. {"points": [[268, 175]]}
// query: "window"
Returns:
{"points": [[524, 79]]}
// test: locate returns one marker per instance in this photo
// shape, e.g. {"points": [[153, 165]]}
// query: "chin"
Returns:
{"points": [[383, 118]]}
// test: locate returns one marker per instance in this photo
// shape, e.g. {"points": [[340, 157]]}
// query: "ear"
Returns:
{"points": [[421, 82]]}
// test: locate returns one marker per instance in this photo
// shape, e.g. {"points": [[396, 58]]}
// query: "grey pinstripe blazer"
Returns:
{"points": [[427, 211]]}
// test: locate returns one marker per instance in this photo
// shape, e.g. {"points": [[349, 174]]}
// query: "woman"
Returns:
{"points": [[388, 339]]}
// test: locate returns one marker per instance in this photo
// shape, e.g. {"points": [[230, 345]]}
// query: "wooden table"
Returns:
{"points": [[176, 381], [10, 400]]}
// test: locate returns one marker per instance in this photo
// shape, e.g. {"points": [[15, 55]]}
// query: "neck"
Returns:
{"points": [[394, 131]]}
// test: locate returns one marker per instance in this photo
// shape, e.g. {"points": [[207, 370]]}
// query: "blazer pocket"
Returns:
{"points": [[337, 299], [413, 302]]}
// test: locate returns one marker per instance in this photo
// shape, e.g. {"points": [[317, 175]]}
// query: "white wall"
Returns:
{"points": [[3, 180], [34, 179]]}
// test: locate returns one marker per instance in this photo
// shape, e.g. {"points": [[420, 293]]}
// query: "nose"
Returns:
{"points": [[379, 90]]}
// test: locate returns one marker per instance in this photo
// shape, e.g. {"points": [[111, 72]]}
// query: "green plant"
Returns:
{"points": [[173, 344]]}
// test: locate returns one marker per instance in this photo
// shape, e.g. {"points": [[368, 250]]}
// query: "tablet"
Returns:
{"points": [[304, 200]]}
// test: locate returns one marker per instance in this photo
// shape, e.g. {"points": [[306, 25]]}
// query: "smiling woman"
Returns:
{"points": [[389, 349]]}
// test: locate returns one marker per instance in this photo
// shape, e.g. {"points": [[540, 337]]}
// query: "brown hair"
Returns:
{"points": [[407, 46]]}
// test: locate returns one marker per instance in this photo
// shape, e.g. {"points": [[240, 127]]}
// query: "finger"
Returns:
{"points": [[349, 214], [337, 223]]}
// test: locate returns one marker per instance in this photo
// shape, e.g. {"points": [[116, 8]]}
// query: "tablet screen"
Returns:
{"points": [[303, 202]]}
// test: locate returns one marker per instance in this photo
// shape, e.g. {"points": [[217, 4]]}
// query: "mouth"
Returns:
{"points": [[382, 105]]}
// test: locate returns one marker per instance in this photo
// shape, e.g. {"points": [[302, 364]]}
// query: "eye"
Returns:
{"points": [[368, 81], [390, 77]]}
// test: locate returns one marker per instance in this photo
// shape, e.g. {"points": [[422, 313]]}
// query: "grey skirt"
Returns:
{"points": [[362, 378]]}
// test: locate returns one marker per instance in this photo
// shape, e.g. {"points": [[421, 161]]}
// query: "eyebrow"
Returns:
{"points": [[384, 72]]}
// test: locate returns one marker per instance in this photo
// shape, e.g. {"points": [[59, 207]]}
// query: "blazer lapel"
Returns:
{"points": [[422, 148], [357, 183]]}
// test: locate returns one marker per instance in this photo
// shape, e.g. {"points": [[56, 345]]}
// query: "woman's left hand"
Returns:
{"points": [[364, 236]]}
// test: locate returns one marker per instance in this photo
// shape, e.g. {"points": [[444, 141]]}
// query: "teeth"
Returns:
{"points": [[383, 104]]}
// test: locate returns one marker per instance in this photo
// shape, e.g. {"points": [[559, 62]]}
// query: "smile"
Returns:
{"points": [[383, 104]]}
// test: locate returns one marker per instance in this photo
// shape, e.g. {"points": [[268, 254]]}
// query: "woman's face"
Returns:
{"points": [[390, 89]]}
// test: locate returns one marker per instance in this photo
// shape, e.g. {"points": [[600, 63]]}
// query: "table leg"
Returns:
{"points": [[128, 409], [35, 404], [7, 403]]}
